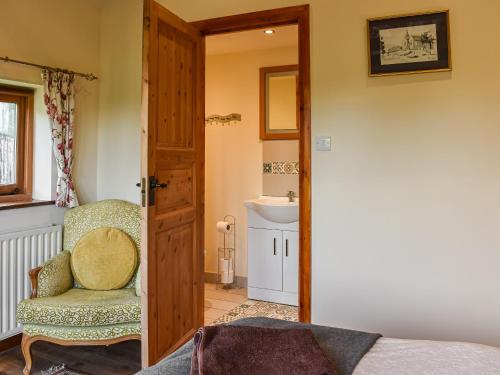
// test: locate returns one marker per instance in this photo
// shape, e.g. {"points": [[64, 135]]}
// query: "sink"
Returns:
{"points": [[275, 209]]}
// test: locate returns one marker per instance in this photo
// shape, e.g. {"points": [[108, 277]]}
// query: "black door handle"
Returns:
{"points": [[160, 185], [286, 247], [274, 251], [154, 184]]}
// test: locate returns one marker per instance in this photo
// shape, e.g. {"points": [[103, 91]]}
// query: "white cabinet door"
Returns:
{"points": [[265, 259], [290, 262]]}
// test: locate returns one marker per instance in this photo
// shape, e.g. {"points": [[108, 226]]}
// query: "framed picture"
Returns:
{"points": [[411, 43]]}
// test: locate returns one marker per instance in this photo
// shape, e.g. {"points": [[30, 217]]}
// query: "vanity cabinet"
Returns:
{"points": [[290, 262], [265, 269], [273, 265]]}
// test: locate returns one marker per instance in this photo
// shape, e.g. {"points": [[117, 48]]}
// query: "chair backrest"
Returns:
{"points": [[111, 213]]}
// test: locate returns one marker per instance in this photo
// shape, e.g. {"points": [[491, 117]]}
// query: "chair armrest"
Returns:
{"points": [[52, 278], [34, 281]]}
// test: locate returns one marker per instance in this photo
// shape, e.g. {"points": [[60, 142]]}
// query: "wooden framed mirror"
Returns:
{"points": [[279, 109]]}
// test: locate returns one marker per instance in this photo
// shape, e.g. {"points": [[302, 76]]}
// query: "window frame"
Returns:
{"points": [[21, 190]]}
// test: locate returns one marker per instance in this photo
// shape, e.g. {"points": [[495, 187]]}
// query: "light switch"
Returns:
{"points": [[323, 143]]}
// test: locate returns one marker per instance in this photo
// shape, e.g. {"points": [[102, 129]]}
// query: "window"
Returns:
{"points": [[16, 149]]}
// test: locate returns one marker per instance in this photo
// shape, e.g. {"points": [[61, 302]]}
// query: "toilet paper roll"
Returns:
{"points": [[227, 277], [226, 270], [223, 227], [225, 265]]}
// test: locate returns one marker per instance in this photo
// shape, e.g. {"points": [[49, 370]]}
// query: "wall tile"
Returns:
{"points": [[280, 167]]}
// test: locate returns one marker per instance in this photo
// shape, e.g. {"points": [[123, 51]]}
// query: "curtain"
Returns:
{"points": [[59, 100]]}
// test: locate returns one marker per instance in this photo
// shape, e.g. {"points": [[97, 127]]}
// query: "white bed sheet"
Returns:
{"points": [[418, 357]]}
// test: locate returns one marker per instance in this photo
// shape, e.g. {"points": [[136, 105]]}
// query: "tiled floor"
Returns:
{"points": [[219, 301]]}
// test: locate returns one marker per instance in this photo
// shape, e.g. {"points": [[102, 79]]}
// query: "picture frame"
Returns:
{"points": [[410, 43]]}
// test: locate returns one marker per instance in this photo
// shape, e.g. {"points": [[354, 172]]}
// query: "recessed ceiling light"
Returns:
{"points": [[269, 31]]}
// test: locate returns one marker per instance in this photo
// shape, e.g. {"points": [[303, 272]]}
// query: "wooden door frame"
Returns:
{"points": [[295, 15]]}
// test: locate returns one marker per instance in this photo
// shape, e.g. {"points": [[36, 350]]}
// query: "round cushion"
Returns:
{"points": [[104, 259]]}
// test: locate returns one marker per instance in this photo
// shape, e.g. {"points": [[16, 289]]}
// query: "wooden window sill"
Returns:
{"points": [[31, 203]]}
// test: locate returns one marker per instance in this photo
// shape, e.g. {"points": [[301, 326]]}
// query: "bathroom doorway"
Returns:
{"points": [[248, 62], [173, 170]]}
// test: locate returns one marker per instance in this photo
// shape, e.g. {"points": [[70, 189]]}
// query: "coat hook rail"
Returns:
{"points": [[88, 77], [218, 119]]}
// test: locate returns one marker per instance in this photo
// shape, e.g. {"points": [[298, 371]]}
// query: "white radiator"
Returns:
{"points": [[20, 252]]}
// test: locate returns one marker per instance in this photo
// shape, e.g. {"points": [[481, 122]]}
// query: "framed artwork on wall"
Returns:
{"points": [[412, 43]]}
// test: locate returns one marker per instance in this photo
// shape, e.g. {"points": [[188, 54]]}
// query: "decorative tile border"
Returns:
{"points": [[281, 167]]}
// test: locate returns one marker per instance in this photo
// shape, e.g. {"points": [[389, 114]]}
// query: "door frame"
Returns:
{"points": [[295, 15]]}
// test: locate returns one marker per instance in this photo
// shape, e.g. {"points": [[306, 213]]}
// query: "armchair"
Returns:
{"points": [[61, 311]]}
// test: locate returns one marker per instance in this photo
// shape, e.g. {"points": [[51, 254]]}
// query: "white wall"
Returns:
{"points": [[405, 208], [119, 140], [30, 217], [233, 165]]}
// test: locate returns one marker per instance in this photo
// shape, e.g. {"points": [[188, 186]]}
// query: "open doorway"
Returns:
{"points": [[173, 170], [252, 174]]}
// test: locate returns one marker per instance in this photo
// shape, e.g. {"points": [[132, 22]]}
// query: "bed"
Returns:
{"points": [[399, 357], [362, 353]]}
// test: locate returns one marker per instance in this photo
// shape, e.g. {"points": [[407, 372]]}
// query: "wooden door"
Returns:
{"points": [[265, 259], [290, 261], [173, 179]]}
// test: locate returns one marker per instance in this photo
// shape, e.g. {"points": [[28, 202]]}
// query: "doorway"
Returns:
{"points": [[251, 162], [172, 258], [295, 15]]}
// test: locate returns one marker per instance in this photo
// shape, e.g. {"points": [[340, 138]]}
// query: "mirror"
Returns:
{"points": [[279, 111]]}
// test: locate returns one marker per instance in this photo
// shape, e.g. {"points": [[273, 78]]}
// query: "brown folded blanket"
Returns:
{"points": [[240, 350]]}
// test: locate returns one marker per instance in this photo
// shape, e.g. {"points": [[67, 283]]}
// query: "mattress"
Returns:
{"points": [[418, 357]]}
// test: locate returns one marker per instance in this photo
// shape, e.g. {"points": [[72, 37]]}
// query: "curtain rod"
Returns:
{"points": [[88, 77]]}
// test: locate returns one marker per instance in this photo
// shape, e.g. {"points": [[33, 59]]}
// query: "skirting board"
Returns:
{"points": [[241, 282]]}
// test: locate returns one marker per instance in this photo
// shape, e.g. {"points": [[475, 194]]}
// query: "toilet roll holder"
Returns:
{"points": [[226, 275]]}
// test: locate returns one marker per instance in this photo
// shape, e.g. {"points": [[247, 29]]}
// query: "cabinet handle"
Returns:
{"points": [[286, 247], [275, 246]]}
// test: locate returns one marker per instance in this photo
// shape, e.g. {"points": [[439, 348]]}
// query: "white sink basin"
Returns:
{"points": [[275, 209]]}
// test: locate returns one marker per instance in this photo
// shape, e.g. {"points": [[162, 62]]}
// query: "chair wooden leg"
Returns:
{"points": [[26, 343]]}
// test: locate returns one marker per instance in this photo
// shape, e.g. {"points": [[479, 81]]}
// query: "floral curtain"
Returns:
{"points": [[59, 99]]}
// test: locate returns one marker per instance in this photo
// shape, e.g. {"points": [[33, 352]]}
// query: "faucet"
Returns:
{"points": [[290, 195]]}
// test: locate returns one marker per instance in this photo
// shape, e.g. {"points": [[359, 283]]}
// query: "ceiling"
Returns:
{"points": [[285, 36]]}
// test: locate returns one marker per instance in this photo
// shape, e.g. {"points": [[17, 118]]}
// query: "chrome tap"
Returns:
{"points": [[291, 195]]}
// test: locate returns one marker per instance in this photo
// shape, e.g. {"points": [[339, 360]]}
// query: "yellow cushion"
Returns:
{"points": [[104, 259]]}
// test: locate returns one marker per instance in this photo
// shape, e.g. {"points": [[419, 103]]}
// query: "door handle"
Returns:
{"points": [[154, 184], [160, 185], [275, 246], [286, 247]]}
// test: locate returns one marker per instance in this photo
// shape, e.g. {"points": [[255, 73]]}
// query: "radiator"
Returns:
{"points": [[20, 252]]}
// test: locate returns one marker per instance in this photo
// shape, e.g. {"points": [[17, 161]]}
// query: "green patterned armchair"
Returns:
{"points": [[60, 310]]}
